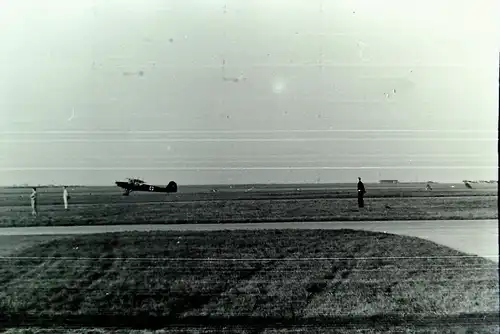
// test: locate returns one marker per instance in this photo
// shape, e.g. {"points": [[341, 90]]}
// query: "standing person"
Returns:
{"points": [[361, 193], [65, 197], [33, 197]]}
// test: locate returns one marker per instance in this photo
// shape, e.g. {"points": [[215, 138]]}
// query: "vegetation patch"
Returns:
{"points": [[245, 211], [256, 279]]}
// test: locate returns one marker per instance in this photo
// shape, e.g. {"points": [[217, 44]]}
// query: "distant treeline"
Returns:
{"points": [[286, 185], [480, 181], [42, 186]]}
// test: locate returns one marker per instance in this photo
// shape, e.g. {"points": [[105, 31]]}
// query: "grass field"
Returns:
{"points": [[15, 243], [427, 330], [105, 205], [485, 329], [340, 279]]}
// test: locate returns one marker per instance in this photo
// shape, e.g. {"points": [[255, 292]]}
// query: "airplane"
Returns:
{"points": [[140, 185]]}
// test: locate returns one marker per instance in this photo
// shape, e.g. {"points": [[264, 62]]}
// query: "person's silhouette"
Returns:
{"points": [[65, 197], [361, 193], [33, 197]]}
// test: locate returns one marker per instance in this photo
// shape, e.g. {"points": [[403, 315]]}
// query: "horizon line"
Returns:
{"points": [[254, 184]]}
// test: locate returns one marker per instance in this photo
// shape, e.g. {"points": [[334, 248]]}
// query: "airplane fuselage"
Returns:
{"points": [[129, 187]]}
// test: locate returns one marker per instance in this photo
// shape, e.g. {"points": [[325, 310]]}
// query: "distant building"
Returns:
{"points": [[389, 181], [479, 181]]}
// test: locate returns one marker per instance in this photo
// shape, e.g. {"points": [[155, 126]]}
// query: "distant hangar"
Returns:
{"points": [[389, 181]]}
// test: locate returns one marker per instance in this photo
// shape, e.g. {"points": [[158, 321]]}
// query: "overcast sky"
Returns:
{"points": [[240, 91]]}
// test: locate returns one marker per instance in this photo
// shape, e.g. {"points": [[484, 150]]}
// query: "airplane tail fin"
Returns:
{"points": [[172, 187]]}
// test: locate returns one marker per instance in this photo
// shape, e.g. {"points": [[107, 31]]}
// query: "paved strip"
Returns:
{"points": [[478, 237]]}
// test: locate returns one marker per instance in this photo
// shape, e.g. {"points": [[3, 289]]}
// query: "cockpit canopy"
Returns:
{"points": [[136, 181]]}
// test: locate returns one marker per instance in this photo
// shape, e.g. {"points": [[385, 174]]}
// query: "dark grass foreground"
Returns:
{"points": [[245, 211], [255, 279], [485, 329]]}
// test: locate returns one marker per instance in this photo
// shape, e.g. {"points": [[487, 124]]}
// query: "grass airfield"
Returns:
{"points": [[249, 203], [267, 281], [249, 281]]}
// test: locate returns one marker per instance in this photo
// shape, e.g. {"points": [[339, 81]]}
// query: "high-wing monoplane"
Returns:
{"points": [[140, 185]]}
